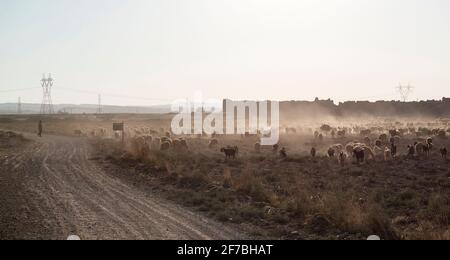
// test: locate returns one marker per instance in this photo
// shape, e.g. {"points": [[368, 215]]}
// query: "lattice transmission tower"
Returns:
{"points": [[47, 105], [100, 107], [405, 91]]}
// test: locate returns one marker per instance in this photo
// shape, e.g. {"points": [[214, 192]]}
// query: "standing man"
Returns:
{"points": [[40, 128]]}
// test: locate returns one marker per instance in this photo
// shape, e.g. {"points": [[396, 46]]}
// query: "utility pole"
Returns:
{"points": [[100, 108], [47, 105], [19, 106]]}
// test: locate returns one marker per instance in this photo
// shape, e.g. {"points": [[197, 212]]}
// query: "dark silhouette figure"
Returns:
{"points": [[313, 152], [444, 153], [40, 128]]}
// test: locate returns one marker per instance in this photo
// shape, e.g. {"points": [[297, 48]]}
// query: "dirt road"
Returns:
{"points": [[51, 190]]}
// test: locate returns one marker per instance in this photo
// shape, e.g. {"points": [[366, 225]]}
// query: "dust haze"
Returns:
{"points": [[339, 172]]}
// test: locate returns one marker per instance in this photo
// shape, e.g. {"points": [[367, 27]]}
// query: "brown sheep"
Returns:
{"points": [[165, 146], [424, 147], [359, 154], [230, 152], [360, 151]]}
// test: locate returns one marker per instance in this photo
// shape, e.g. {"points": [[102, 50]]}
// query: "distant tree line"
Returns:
{"points": [[305, 109]]}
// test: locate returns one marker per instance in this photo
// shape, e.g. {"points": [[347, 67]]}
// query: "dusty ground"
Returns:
{"points": [[51, 188], [300, 197], [266, 196]]}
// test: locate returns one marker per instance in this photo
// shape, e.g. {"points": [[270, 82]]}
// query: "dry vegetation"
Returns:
{"points": [[298, 197], [9, 140]]}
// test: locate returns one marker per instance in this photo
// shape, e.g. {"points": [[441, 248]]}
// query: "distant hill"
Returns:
{"points": [[289, 109], [11, 108]]}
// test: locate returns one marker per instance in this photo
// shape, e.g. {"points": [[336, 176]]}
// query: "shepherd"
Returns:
{"points": [[40, 128]]}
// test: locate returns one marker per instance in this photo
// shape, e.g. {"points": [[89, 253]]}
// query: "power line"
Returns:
{"points": [[114, 95], [17, 90], [19, 106], [88, 92]]}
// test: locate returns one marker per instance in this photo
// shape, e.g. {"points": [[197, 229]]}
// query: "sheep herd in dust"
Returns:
{"points": [[358, 144], [385, 145]]}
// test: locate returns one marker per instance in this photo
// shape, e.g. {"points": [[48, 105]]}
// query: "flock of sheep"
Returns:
{"points": [[385, 146], [375, 142]]}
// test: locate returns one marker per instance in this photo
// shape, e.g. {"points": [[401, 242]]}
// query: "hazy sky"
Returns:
{"points": [[160, 50]]}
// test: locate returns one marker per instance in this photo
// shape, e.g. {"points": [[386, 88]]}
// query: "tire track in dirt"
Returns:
{"points": [[70, 194]]}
